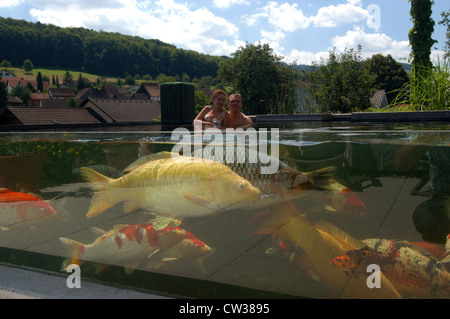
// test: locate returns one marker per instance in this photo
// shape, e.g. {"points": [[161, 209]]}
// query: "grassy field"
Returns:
{"points": [[20, 73]]}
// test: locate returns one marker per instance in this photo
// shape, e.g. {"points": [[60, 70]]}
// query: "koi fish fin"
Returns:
{"points": [[148, 158], [97, 231], [321, 175], [198, 263], [153, 253], [100, 201], [331, 209], [3, 228], [72, 247], [201, 201], [131, 266], [100, 267], [129, 206], [161, 222], [340, 235]]}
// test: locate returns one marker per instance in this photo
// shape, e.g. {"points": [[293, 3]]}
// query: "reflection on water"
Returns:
{"points": [[343, 199]]}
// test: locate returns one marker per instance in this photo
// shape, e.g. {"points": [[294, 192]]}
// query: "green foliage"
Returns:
{"points": [[428, 88], [344, 83], [27, 65], [420, 35], [68, 79], [104, 53], [24, 94], [267, 86], [40, 83], [446, 21], [201, 100], [389, 74], [5, 64]]}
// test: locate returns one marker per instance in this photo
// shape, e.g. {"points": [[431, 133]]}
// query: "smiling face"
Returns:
{"points": [[218, 99], [235, 103]]}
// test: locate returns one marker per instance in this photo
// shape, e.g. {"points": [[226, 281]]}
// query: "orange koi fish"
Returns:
{"points": [[190, 249], [124, 245], [319, 244], [341, 199], [344, 200], [16, 207]]}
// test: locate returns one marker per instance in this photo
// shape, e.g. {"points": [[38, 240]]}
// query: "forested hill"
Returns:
{"points": [[98, 52]]}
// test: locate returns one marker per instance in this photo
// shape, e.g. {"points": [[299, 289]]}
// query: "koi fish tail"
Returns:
{"points": [[100, 201], [73, 249]]}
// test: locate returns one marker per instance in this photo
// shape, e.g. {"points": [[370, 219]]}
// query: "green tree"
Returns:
{"points": [[420, 34], [129, 80], [263, 81], [40, 83], [389, 74], [82, 83], [343, 83], [5, 64], [68, 79], [446, 21], [27, 65], [24, 94], [201, 100]]}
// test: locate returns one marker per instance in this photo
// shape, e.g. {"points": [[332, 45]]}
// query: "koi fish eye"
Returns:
{"points": [[241, 186]]}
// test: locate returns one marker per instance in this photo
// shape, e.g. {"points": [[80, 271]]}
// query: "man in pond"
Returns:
{"points": [[237, 118]]}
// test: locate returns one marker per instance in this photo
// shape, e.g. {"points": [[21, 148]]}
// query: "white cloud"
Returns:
{"points": [[285, 17], [223, 4], [372, 43], [332, 16], [9, 3], [305, 57], [166, 20]]}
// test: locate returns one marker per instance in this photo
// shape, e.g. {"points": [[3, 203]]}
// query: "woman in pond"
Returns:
{"points": [[214, 115]]}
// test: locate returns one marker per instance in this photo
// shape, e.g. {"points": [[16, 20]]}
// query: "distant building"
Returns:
{"points": [[26, 115], [124, 111], [379, 99], [6, 74], [148, 90], [61, 93]]}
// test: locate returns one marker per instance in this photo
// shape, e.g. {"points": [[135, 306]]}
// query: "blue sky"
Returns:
{"points": [[302, 31]]}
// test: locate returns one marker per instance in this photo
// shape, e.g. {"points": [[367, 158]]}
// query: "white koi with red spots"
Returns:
{"points": [[123, 246]]}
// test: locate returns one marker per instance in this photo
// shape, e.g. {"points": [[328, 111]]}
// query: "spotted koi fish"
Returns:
{"points": [[189, 249], [17, 207], [412, 270], [125, 245]]}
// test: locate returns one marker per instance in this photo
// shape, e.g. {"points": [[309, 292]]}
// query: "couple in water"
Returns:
{"points": [[215, 115]]}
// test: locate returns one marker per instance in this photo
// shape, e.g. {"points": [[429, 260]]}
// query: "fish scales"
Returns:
{"points": [[411, 269], [174, 187], [125, 246]]}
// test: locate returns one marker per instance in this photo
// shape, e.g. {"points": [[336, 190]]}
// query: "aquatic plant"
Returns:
{"points": [[428, 88]]}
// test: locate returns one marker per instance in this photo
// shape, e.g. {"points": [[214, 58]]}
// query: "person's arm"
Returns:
{"points": [[200, 116]]}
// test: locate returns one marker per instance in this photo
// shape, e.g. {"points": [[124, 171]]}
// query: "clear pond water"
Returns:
{"points": [[378, 191]]}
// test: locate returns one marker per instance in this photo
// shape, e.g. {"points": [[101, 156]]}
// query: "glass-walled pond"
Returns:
{"points": [[304, 210]]}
